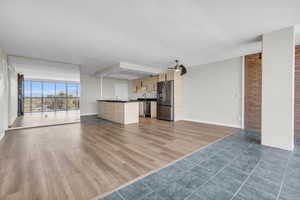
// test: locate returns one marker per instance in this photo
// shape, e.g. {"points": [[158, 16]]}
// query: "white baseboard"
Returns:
{"points": [[44, 125], [12, 120], [214, 123], [87, 114], [2, 135]]}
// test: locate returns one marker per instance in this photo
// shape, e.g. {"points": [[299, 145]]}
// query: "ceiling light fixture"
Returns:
{"points": [[179, 67]]}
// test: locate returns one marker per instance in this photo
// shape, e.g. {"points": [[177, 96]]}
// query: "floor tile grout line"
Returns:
{"points": [[199, 164], [267, 180], [209, 157], [259, 190], [219, 150], [194, 191], [120, 195], [151, 190], [284, 176], [169, 164], [196, 164], [228, 164], [243, 183], [183, 171]]}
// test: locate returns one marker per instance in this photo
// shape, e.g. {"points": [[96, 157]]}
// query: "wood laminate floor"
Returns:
{"points": [[83, 161], [46, 118]]}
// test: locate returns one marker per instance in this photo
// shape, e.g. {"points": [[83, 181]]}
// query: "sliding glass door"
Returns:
{"points": [[48, 96], [45, 96]]}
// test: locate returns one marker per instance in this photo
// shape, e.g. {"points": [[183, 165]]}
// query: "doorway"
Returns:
{"points": [[253, 85]]}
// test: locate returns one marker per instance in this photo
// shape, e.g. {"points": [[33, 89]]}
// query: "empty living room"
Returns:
{"points": [[149, 100]]}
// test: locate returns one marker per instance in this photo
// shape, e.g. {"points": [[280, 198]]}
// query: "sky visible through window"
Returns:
{"points": [[44, 96]]}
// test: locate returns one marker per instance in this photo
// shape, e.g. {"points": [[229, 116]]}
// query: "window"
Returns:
{"points": [[73, 90], [27, 104], [61, 104], [73, 103], [44, 96], [49, 104], [48, 89], [49, 96], [73, 96], [27, 96], [36, 96], [60, 90], [36, 104], [36, 89], [27, 88]]}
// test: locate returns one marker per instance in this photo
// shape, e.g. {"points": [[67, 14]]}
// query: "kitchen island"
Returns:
{"points": [[123, 112]]}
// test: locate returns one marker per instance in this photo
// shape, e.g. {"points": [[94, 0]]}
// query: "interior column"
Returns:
{"points": [[101, 87], [278, 89]]}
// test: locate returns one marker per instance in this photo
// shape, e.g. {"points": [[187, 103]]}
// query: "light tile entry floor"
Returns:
{"points": [[235, 168], [46, 118]]}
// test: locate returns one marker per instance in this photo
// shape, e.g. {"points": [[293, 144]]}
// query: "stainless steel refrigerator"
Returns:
{"points": [[165, 100]]}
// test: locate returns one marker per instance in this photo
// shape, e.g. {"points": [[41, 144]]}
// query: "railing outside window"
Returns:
{"points": [[45, 96]]}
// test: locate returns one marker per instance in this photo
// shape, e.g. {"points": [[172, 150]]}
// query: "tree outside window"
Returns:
{"points": [[44, 96]]}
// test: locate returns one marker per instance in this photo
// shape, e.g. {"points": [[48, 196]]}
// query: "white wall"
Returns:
{"points": [[110, 90], [278, 70], [3, 93], [213, 93], [13, 95], [90, 92], [47, 70]]}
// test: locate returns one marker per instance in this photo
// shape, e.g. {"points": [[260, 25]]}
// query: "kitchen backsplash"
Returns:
{"points": [[143, 95]]}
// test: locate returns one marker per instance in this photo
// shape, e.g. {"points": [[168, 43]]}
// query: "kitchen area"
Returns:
{"points": [[152, 95]]}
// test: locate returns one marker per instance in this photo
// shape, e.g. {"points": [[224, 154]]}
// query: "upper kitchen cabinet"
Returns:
{"points": [[162, 76], [136, 85], [149, 83], [154, 80], [170, 75], [146, 82], [167, 76]]}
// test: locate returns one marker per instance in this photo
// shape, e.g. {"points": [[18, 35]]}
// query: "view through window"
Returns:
{"points": [[45, 96]]}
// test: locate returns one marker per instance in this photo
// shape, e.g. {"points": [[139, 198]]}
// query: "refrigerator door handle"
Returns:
{"points": [[159, 96]]}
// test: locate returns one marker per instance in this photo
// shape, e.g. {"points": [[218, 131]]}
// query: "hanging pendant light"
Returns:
{"points": [[179, 67]]}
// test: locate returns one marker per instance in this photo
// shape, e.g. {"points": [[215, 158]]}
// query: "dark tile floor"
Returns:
{"points": [[235, 168], [92, 119]]}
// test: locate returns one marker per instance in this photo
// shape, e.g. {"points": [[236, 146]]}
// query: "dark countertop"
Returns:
{"points": [[147, 99], [119, 101], [126, 101]]}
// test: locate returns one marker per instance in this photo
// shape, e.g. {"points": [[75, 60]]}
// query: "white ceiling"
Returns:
{"points": [[100, 33], [127, 75], [128, 71], [45, 70]]}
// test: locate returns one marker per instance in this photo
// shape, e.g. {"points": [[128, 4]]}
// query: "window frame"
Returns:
{"points": [[66, 97]]}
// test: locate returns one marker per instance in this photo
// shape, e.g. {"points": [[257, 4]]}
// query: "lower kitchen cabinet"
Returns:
{"points": [[120, 112]]}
